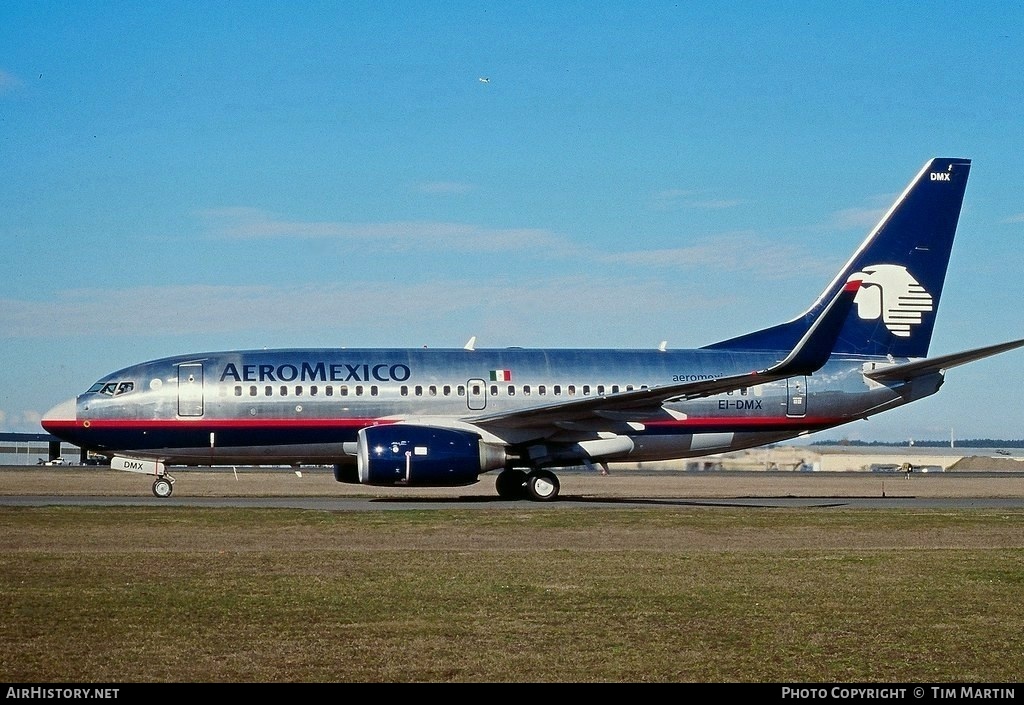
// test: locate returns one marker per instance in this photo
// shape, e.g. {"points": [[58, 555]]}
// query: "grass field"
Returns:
{"points": [[172, 594]]}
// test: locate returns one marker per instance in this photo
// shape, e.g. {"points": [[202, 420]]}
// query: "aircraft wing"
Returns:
{"points": [[619, 405], [906, 371], [808, 356]]}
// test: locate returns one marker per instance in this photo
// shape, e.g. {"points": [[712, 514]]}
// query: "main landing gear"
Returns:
{"points": [[538, 485], [163, 486]]}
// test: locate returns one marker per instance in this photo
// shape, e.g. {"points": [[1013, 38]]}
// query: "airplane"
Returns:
{"points": [[424, 417]]}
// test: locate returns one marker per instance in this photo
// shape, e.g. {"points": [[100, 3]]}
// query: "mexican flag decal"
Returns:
{"points": [[501, 375]]}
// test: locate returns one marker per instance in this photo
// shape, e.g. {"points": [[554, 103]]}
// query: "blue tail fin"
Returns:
{"points": [[901, 265]]}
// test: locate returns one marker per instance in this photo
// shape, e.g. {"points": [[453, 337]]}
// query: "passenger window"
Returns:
{"points": [[268, 391], [572, 390], [252, 391], [329, 390], [462, 391], [419, 391], [586, 389], [600, 389], [526, 390], [284, 391], [238, 390], [511, 391], [404, 391], [494, 390], [312, 390], [298, 391], [615, 389], [557, 389], [433, 390], [359, 390], [447, 390], [343, 390], [542, 389], [373, 390]]}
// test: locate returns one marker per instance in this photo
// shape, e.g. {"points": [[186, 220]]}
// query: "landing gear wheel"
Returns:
{"points": [[542, 485], [163, 487], [511, 484]]}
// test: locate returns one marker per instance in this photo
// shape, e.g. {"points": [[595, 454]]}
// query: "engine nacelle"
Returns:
{"points": [[422, 456]]}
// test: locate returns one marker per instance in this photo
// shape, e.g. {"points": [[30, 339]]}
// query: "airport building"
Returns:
{"points": [[862, 458], [36, 449]]}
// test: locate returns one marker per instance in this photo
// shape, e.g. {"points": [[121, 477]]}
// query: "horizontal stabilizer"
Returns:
{"points": [[909, 370]]}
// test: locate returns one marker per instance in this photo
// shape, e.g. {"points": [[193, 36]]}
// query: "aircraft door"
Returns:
{"points": [[476, 394], [796, 400], [190, 389]]}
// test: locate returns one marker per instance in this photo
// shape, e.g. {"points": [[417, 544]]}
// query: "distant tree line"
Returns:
{"points": [[959, 443]]}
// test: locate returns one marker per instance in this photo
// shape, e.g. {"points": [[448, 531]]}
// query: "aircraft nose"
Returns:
{"points": [[63, 413]]}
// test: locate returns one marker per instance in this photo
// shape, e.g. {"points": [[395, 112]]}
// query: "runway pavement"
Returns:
{"points": [[317, 489]]}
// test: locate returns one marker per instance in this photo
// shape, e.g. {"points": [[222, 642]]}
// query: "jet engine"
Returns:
{"points": [[421, 456]]}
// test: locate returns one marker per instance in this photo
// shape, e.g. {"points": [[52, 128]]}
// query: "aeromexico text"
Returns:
{"points": [[316, 372]]}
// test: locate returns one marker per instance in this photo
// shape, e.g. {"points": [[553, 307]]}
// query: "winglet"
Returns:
{"points": [[814, 348]]}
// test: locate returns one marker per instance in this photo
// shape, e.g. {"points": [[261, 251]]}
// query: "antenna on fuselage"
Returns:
{"points": [[471, 344]]}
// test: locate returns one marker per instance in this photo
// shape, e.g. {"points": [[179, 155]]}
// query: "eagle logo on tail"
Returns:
{"points": [[889, 292]]}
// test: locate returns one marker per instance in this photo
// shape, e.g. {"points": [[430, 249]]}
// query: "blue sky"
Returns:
{"points": [[182, 177]]}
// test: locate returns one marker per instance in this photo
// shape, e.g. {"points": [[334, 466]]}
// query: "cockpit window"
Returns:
{"points": [[112, 389]]}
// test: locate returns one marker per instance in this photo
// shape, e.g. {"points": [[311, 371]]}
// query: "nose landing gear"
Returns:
{"points": [[163, 486]]}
